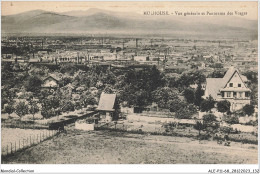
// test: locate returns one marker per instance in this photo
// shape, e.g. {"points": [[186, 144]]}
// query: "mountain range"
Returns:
{"points": [[97, 21]]}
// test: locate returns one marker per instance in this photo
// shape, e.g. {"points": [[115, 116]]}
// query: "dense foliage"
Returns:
{"points": [[81, 86]]}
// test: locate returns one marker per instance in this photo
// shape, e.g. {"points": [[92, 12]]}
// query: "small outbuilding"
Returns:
{"points": [[52, 81], [108, 107]]}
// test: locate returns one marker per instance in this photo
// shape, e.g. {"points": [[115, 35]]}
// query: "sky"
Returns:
{"points": [[9, 7]]}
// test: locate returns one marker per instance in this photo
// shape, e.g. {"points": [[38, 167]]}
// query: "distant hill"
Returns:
{"points": [[96, 21]]}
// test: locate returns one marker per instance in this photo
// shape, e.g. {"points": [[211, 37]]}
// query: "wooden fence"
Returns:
{"points": [[14, 146]]}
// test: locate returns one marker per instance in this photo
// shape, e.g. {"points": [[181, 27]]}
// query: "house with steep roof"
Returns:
{"points": [[108, 107], [231, 87], [52, 81]]}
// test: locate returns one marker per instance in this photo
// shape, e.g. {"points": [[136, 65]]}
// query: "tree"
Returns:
{"points": [[216, 65], [33, 84], [50, 105], [7, 95], [141, 98], [9, 108], [65, 80], [209, 118], [21, 109], [162, 96], [199, 126], [69, 106], [217, 74], [252, 76], [48, 112], [198, 95], [248, 109], [191, 77], [207, 105], [182, 109], [109, 89], [68, 68], [210, 123], [223, 106], [189, 95], [185, 112], [33, 109], [176, 104], [231, 119]]}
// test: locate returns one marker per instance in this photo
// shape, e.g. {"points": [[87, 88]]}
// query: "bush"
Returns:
{"points": [[69, 106], [248, 109], [48, 112], [226, 129], [252, 123], [186, 112], [223, 106], [231, 119], [204, 137], [9, 109], [209, 118], [199, 126]]}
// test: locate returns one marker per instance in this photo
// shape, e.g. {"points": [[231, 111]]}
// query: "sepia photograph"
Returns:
{"points": [[129, 82]]}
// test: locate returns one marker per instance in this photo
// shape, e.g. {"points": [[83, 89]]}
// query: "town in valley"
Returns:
{"points": [[127, 99]]}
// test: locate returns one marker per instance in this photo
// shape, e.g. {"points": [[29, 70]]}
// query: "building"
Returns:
{"points": [[108, 107], [231, 87], [52, 81]]}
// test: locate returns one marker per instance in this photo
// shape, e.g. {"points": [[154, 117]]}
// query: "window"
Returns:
{"points": [[228, 94], [235, 94], [239, 85], [247, 94], [230, 84], [222, 94], [240, 94]]}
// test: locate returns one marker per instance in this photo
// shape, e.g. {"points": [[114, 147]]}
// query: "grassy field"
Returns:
{"points": [[15, 138], [105, 147]]}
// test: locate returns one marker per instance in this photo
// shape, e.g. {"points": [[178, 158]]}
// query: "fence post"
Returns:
{"points": [[11, 148]]}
